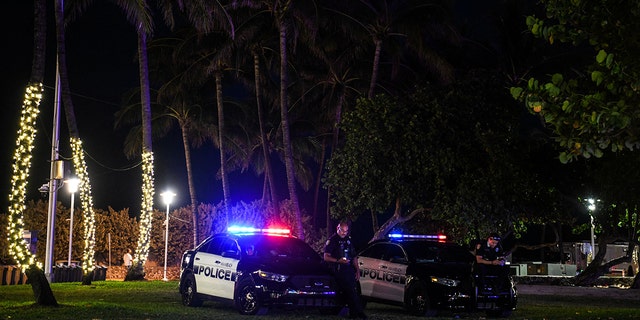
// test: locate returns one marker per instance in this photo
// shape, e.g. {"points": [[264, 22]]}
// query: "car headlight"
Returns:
{"points": [[445, 281], [272, 276]]}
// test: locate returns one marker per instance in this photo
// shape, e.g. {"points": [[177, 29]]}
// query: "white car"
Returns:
{"points": [[257, 269], [425, 273]]}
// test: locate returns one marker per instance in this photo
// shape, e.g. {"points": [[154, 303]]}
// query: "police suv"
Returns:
{"points": [[256, 269], [423, 273]]}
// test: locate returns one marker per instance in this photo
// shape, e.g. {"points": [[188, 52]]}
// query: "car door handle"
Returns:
{"points": [[197, 258], [218, 262], [383, 267]]}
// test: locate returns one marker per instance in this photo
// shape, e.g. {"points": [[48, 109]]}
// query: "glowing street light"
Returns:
{"points": [[592, 207], [72, 185], [167, 197]]}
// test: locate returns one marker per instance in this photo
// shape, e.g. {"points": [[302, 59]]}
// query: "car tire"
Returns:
{"points": [[504, 313], [246, 299], [189, 292], [418, 301]]}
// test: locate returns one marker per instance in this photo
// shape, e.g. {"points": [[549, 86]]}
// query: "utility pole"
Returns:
{"points": [[54, 179]]}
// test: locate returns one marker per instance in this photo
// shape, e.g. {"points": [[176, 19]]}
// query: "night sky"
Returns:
{"points": [[101, 49]]}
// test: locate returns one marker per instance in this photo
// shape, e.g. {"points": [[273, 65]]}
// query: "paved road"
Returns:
{"points": [[610, 292]]}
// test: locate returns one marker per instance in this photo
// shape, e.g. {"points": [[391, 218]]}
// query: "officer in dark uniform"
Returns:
{"points": [[490, 258], [340, 253]]}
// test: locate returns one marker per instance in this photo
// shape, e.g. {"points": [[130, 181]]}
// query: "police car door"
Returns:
{"points": [[204, 266], [392, 278], [227, 268], [215, 268], [369, 261]]}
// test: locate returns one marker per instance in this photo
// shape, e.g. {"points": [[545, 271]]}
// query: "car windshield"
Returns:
{"points": [[276, 246], [428, 251]]}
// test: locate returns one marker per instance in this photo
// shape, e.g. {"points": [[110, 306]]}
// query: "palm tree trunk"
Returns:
{"points": [[372, 85], [374, 68], [334, 145], [316, 193], [81, 170], [266, 151], [286, 139], [221, 134], [24, 147], [144, 240], [192, 189]]}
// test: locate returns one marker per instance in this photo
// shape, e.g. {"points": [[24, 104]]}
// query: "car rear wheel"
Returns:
{"points": [[247, 301], [189, 292], [418, 301]]}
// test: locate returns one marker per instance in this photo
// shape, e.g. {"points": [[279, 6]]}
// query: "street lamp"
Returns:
{"points": [[592, 208], [167, 197], [72, 185]]}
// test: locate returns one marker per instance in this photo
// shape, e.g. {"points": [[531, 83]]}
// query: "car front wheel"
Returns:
{"points": [[246, 299], [189, 292], [418, 301]]}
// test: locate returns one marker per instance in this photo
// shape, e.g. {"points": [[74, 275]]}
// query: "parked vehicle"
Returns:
{"points": [[256, 269], [425, 274]]}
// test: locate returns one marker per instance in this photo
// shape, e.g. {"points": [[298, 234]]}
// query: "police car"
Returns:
{"points": [[423, 273], [256, 269]]}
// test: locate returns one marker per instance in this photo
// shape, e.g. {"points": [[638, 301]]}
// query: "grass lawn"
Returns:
{"points": [[160, 300]]}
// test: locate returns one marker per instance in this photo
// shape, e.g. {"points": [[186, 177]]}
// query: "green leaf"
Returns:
{"points": [[535, 29], [564, 158], [609, 60], [601, 57], [597, 77], [557, 79], [516, 92], [598, 153]]}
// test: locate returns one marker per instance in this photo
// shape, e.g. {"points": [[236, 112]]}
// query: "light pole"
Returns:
{"points": [[592, 208], [167, 197], [72, 185]]}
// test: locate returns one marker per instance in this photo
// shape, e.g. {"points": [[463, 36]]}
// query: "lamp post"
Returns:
{"points": [[592, 208], [72, 185], [167, 197]]}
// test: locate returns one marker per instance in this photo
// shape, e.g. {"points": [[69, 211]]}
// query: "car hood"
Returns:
{"points": [[288, 266], [451, 270]]}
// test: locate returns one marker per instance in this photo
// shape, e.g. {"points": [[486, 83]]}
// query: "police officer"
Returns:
{"points": [[340, 253], [490, 258], [491, 252]]}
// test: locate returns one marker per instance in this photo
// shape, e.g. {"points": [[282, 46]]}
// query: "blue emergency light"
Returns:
{"points": [[245, 230], [439, 237]]}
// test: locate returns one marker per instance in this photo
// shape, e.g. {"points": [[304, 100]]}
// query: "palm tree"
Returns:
{"points": [[286, 13], [138, 14], [391, 25], [255, 34], [88, 262], [22, 162], [176, 102]]}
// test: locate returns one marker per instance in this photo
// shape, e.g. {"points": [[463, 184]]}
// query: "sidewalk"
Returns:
{"points": [[596, 292]]}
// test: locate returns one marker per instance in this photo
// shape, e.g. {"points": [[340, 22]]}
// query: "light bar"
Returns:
{"points": [[239, 229], [417, 236]]}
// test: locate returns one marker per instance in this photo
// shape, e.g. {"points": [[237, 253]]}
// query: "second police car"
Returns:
{"points": [[256, 269], [424, 273]]}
